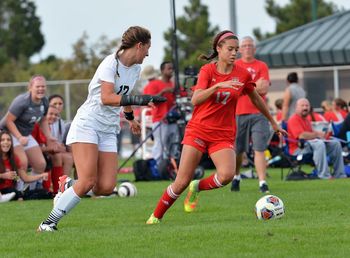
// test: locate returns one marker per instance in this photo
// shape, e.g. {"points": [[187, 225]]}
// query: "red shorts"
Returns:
{"points": [[200, 143]]}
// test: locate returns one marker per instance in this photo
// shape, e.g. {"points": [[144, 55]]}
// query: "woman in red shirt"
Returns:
{"points": [[10, 168], [212, 127]]}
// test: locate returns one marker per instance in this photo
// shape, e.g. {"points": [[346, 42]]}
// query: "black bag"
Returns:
{"points": [[300, 175], [142, 171], [37, 194], [146, 170]]}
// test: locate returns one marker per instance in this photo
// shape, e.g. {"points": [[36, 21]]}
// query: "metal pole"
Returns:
{"points": [[67, 100], [233, 16], [336, 82], [174, 50]]}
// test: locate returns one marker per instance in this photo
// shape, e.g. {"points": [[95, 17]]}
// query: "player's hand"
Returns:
{"points": [[10, 175], [278, 130], [45, 176], [229, 84], [23, 140], [135, 127]]}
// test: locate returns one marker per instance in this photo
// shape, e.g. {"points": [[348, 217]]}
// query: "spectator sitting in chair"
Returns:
{"points": [[299, 128]]}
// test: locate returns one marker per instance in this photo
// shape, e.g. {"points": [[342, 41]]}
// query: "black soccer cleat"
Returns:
{"points": [[264, 188], [235, 185]]}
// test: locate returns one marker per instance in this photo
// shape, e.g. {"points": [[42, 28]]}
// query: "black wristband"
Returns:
{"points": [[129, 115], [140, 100]]}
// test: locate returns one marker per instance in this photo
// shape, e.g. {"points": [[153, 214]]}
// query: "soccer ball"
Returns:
{"points": [[269, 207], [127, 189]]}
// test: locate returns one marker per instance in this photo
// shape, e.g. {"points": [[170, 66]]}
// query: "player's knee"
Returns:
{"points": [[39, 166], [103, 189]]}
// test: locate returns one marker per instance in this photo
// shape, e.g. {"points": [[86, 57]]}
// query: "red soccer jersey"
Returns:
{"points": [[257, 70], [214, 119], [7, 183], [296, 126], [38, 134], [154, 87]]}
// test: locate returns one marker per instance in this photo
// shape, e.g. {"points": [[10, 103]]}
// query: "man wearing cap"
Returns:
{"points": [[252, 126], [162, 130], [148, 74]]}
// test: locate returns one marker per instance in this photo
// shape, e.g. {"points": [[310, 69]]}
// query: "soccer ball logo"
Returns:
{"points": [[269, 207]]}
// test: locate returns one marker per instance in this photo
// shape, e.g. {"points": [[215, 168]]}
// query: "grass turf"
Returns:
{"points": [[316, 224]]}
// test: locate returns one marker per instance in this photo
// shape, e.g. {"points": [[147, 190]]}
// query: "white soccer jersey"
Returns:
{"points": [[101, 117]]}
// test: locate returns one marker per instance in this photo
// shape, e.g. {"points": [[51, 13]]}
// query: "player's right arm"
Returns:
{"points": [[11, 126]]}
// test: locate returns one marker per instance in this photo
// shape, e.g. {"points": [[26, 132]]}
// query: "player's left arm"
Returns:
{"points": [[261, 105]]}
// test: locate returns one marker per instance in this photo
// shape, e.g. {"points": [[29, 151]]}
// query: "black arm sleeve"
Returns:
{"points": [[140, 100]]}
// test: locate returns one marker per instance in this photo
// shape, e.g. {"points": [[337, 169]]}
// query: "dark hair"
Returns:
{"points": [[279, 103], [292, 77], [217, 43], [53, 96], [10, 154], [131, 37], [341, 103], [312, 114], [163, 64]]}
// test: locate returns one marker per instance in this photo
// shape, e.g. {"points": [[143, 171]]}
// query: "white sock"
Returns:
{"points": [[262, 182], [68, 200], [237, 177]]}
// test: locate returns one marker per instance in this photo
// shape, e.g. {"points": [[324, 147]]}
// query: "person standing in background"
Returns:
{"points": [[162, 129], [252, 126], [292, 93]]}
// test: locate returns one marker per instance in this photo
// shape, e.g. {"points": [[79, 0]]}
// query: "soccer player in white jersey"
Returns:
{"points": [[93, 133]]}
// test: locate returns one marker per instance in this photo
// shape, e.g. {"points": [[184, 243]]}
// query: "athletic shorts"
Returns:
{"points": [[31, 142], [191, 138], [252, 128], [83, 133]]}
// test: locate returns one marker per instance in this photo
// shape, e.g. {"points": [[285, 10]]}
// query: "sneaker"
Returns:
{"points": [[192, 197], [63, 184], [152, 220], [235, 185], [264, 188], [7, 197], [43, 227]]}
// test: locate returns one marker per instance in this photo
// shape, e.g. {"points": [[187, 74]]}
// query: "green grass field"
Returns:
{"points": [[316, 224]]}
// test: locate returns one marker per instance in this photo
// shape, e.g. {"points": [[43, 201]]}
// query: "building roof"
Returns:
{"points": [[325, 42]]}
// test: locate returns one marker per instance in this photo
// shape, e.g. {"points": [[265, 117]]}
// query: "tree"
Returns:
{"points": [[294, 14], [194, 34], [20, 30]]}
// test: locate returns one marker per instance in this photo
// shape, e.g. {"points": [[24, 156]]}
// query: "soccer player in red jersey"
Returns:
{"points": [[212, 126]]}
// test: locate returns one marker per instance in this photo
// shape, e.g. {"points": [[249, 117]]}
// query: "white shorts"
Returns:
{"points": [[80, 132], [31, 142]]}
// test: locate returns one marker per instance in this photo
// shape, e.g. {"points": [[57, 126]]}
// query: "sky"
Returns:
{"points": [[65, 21]]}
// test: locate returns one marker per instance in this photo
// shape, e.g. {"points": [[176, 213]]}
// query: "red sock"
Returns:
{"points": [[56, 172], [209, 183], [165, 202], [47, 183]]}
